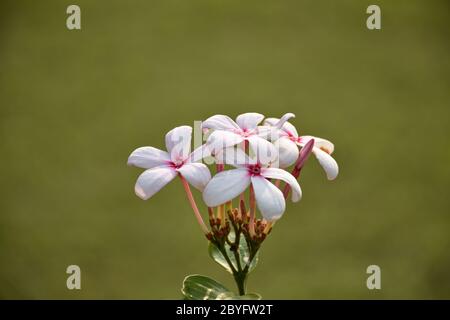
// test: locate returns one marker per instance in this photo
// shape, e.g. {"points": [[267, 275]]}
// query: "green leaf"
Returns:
{"points": [[244, 254], [198, 287]]}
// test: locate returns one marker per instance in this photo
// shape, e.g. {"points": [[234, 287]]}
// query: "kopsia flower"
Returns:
{"points": [[228, 184], [228, 133], [162, 167], [289, 141], [256, 171]]}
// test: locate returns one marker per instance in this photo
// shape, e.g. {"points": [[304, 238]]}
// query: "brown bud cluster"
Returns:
{"points": [[219, 229], [241, 219]]}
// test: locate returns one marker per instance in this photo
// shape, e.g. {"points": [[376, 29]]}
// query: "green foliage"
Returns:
{"points": [[244, 255], [198, 287]]}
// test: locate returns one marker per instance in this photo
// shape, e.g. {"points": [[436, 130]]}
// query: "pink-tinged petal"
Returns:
{"points": [[148, 157], [152, 180], [286, 126], [266, 132], [197, 174], [284, 120], [327, 162], [320, 143], [249, 120], [269, 198], [200, 153], [287, 152], [271, 121], [178, 143], [221, 139], [233, 156], [263, 150], [220, 122], [225, 186], [270, 133], [280, 174]]}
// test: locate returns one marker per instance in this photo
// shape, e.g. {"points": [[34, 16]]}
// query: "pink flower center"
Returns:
{"points": [[177, 164], [292, 137], [245, 132], [254, 169]]}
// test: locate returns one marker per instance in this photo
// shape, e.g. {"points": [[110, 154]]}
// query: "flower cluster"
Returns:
{"points": [[258, 152], [251, 158]]}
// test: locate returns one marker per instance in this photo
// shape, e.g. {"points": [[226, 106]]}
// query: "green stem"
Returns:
{"points": [[240, 278], [224, 253]]}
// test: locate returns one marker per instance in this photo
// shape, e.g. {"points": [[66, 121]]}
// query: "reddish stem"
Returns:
{"points": [[251, 225], [194, 205]]}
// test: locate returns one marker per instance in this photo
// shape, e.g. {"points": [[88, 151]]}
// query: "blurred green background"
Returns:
{"points": [[74, 104]]}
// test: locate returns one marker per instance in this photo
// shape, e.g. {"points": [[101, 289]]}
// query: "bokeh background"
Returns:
{"points": [[74, 104]]}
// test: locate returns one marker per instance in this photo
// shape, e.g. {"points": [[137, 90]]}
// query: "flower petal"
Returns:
{"points": [[196, 174], [327, 162], [286, 127], [178, 143], [233, 156], [220, 122], [320, 143], [152, 180], [148, 157], [269, 198], [225, 186], [287, 152], [249, 120], [266, 132], [221, 139], [263, 150], [271, 121], [200, 153], [281, 174], [284, 119]]}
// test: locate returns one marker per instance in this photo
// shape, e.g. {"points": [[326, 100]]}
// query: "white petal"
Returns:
{"points": [[220, 122], [327, 162], [320, 143], [152, 180], [200, 153], [249, 120], [225, 186], [196, 174], [287, 127], [266, 132], [233, 156], [269, 198], [271, 121], [221, 139], [287, 152], [284, 119], [148, 157], [281, 174], [263, 150], [178, 143]]}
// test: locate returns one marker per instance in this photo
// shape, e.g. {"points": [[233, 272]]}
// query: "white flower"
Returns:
{"points": [[228, 133], [227, 185], [162, 167], [289, 140]]}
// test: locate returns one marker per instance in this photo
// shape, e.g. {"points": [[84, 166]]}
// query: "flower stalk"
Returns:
{"points": [[191, 199]]}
